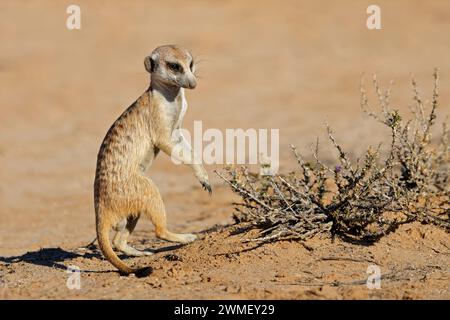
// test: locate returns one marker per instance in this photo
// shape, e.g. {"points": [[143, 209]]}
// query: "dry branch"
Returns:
{"points": [[360, 200]]}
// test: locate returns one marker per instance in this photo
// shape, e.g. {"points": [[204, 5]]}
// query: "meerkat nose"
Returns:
{"points": [[192, 83]]}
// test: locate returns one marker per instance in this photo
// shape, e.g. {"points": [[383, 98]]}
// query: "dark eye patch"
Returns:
{"points": [[174, 66]]}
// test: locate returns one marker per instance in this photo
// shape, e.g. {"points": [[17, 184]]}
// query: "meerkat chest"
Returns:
{"points": [[184, 106], [176, 110]]}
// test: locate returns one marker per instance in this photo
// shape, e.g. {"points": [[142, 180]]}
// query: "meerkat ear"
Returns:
{"points": [[150, 64]]}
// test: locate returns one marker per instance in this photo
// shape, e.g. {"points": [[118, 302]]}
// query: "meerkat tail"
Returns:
{"points": [[106, 248]]}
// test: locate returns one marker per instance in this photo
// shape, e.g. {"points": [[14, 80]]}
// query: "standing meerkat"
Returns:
{"points": [[122, 193]]}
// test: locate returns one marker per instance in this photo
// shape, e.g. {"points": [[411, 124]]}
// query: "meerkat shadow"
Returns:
{"points": [[214, 228], [167, 248], [51, 258]]}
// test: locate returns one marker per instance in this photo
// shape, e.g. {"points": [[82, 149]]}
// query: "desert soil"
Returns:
{"points": [[290, 65]]}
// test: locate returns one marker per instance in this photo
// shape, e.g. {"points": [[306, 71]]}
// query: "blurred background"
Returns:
{"points": [[291, 65]]}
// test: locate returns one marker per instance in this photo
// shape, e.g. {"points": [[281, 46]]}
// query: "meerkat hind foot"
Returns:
{"points": [[178, 237], [130, 251]]}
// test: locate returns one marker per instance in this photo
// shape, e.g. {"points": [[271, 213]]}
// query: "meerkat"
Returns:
{"points": [[122, 193]]}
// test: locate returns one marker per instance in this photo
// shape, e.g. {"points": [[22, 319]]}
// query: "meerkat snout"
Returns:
{"points": [[172, 65], [192, 82]]}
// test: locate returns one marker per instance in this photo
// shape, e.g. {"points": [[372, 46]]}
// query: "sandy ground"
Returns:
{"points": [[290, 65]]}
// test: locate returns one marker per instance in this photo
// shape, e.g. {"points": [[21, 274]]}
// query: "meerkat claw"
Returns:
{"points": [[206, 186]]}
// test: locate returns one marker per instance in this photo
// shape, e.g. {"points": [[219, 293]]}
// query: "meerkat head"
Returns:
{"points": [[173, 65]]}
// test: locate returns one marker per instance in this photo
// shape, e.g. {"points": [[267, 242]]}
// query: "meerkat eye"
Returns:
{"points": [[174, 66]]}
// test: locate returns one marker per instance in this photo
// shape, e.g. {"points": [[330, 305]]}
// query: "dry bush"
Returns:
{"points": [[358, 200]]}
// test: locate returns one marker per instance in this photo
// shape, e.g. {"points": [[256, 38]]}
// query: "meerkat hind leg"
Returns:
{"points": [[158, 218], [153, 208], [124, 229]]}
